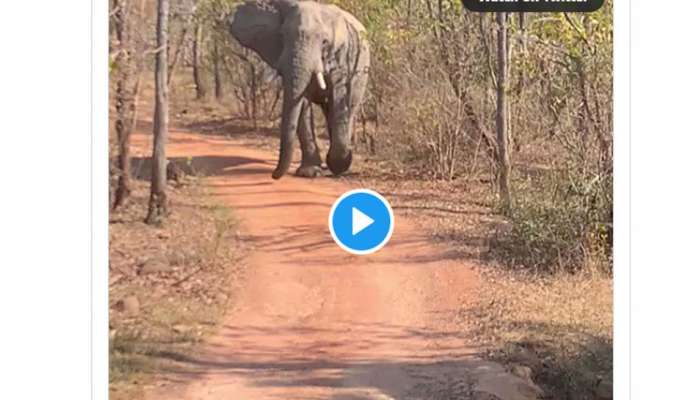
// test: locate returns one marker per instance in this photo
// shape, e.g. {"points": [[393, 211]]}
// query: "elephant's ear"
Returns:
{"points": [[257, 25]]}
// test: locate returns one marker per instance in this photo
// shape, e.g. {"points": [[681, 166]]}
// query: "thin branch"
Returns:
{"points": [[578, 29], [154, 51]]}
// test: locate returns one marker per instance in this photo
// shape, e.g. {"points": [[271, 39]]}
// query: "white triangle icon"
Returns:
{"points": [[360, 221]]}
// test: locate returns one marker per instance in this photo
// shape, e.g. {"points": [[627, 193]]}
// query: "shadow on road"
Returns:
{"points": [[351, 359], [199, 166], [230, 127]]}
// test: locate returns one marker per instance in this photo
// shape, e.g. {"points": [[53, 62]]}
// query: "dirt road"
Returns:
{"points": [[314, 322]]}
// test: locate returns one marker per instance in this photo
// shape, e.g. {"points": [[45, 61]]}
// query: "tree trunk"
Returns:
{"points": [[123, 106], [502, 134], [196, 73], [157, 206], [217, 73], [178, 50], [254, 94]]}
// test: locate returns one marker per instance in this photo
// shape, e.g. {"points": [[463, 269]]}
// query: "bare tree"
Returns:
{"points": [[452, 46], [502, 134], [157, 206], [254, 95], [126, 89], [178, 47], [196, 59], [218, 91]]}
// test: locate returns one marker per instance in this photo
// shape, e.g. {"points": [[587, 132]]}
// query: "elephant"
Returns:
{"points": [[323, 56]]}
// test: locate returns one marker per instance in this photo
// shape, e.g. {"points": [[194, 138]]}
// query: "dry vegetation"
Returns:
{"points": [[558, 326], [169, 286], [546, 298]]}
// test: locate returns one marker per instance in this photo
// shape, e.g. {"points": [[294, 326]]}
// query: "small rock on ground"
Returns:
{"points": [[130, 305]]}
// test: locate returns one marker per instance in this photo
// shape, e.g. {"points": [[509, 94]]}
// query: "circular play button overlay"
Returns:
{"points": [[361, 221]]}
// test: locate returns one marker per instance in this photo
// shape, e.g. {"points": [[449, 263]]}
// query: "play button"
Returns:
{"points": [[361, 221]]}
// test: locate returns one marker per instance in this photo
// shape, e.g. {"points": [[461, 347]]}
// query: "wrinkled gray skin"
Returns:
{"points": [[323, 57]]}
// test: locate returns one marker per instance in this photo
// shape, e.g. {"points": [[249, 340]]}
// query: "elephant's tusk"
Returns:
{"points": [[321, 80]]}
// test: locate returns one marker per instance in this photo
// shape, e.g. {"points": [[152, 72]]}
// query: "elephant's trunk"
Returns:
{"points": [[339, 162], [295, 84], [291, 109], [339, 157]]}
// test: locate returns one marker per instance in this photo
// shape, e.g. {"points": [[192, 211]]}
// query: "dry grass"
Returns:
{"points": [[181, 275], [559, 325]]}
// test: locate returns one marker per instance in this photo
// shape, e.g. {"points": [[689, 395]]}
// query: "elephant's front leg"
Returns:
{"points": [[310, 156]]}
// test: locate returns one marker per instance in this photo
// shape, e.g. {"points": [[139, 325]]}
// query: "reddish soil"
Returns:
{"points": [[314, 322]]}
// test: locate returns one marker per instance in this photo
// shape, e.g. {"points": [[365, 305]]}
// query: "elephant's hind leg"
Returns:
{"points": [[310, 156]]}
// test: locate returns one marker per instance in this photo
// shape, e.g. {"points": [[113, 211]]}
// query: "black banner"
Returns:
{"points": [[533, 5]]}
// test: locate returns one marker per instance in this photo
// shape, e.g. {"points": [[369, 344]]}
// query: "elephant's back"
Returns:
{"points": [[354, 22], [327, 12]]}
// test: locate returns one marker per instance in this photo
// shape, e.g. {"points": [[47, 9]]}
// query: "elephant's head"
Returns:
{"points": [[317, 49]]}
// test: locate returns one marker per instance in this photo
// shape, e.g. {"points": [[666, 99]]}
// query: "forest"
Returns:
{"points": [[522, 102], [495, 129]]}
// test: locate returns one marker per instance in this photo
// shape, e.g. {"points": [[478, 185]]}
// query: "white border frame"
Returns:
{"points": [[45, 168], [375, 248]]}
